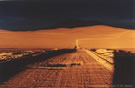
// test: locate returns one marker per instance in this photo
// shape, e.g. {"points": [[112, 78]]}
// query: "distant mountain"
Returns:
{"points": [[99, 36], [69, 23], [75, 23]]}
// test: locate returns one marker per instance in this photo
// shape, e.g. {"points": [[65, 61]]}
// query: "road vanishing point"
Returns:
{"points": [[69, 70]]}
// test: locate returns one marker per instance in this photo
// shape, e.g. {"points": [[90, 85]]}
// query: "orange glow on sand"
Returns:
{"points": [[96, 37]]}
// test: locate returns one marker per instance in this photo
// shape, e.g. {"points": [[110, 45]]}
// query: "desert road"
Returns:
{"points": [[68, 70]]}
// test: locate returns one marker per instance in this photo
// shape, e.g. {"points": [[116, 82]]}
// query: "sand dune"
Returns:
{"points": [[91, 37]]}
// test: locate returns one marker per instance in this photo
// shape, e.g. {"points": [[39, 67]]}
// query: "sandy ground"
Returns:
{"points": [[89, 37], [88, 74]]}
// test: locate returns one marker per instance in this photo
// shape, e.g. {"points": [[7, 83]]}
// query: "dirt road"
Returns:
{"points": [[69, 70]]}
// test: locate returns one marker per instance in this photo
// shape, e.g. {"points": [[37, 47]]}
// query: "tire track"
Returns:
{"points": [[88, 75]]}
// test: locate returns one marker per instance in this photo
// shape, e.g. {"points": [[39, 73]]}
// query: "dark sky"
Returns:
{"points": [[39, 14]]}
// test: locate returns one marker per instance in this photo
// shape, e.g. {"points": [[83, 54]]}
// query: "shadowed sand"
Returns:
{"points": [[15, 66], [67, 70]]}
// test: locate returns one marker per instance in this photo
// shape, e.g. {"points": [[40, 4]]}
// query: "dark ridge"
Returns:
{"points": [[65, 24], [75, 23]]}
